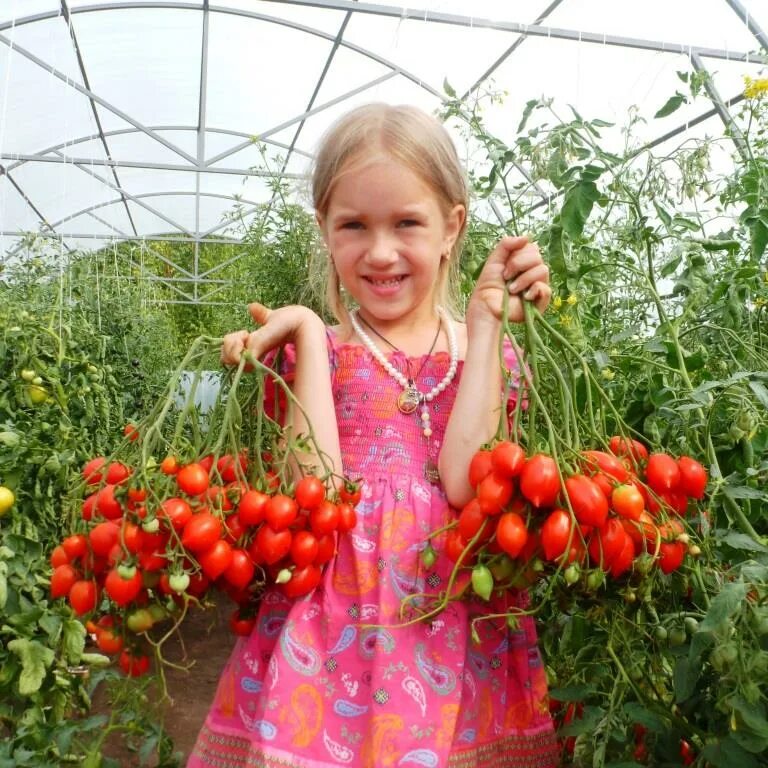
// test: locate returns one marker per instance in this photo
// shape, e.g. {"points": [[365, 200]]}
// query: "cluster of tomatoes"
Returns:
{"points": [[151, 541], [608, 512]]}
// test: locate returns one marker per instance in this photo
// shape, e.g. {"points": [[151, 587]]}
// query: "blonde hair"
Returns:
{"points": [[416, 140]]}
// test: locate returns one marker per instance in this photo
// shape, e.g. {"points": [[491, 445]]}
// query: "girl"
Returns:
{"points": [[401, 395]]}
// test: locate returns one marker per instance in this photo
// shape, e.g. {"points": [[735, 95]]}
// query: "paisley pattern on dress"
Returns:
{"points": [[337, 678]]}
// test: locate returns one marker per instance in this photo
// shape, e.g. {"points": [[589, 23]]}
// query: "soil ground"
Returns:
{"points": [[206, 641]]}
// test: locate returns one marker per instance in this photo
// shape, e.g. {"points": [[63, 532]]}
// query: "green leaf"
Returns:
{"points": [[74, 640], [663, 214], [743, 492], [685, 677], [728, 754], [758, 239], [529, 107], [571, 692], [760, 392], [672, 105], [723, 606], [35, 660], [637, 713], [737, 540], [577, 205], [3, 590], [449, 89]]}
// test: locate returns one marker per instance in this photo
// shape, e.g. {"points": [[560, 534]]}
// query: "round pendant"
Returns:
{"points": [[408, 400]]}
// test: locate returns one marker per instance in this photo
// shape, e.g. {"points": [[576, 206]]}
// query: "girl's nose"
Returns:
{"points": [[382, 250]]}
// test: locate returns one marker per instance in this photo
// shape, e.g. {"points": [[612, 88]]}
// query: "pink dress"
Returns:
{"points": [[331, 679]]}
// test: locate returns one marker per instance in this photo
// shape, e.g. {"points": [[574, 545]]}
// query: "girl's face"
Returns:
{"points": [[387, 234]]}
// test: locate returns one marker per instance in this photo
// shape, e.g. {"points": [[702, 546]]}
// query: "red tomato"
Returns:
{"points": [[604, 483], [58, 557], [251, 507], [280, 511], [309, 492], [671, 555], [92, 470], [627, 501], [607, 463], [494, 492], [479, 466], [206, 462], [303, 580], [83, 596], [193, 479], [623, 561], [228, 467], [62, 579], [347, 517], [693, 477], [662, 473], [324, 518], [131, 432], [201, 532], [507, 459], [75, 545], [241, 625], [556, 533], [455, 546], [606, 542], [511, 533], [540, 480], [473, 520], [590, 506], [169, 465], [273, 545], [240, 570], [103, 537], [326, 548], [304, 548], [106, 503], [350, 493], [109, 641], [176, 511], [136, 496], [134, 664], [216, 559], [89, 506], [234, 529], [116, 473], [120, 590], [626, 446]]}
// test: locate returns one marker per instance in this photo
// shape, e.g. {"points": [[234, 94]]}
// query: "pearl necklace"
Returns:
{"points": [[410, 398]]}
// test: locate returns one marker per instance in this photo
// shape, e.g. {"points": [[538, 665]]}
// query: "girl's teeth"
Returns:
{"points": [[387, 283]]}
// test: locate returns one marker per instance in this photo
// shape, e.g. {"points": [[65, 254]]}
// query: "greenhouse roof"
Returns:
{"points": [[137, 120]]}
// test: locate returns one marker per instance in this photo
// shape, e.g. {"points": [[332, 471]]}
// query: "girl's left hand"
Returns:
{"points": [[514, 266]]}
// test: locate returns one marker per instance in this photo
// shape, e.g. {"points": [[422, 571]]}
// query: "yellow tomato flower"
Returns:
{"points": [[755, 89], [557, 302], [607, 374], [572, 299]]}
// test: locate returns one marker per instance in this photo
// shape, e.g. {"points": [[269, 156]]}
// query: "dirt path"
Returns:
{"points": [[208, 643]]}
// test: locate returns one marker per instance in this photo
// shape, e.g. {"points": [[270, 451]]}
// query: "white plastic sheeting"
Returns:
{"points": [[132, 118]]}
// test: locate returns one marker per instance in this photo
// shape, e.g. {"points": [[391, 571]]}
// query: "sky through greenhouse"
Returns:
{"points": [[138, 120]]}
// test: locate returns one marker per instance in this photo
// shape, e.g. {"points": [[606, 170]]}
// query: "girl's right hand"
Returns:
{"points": [[278, 327]]}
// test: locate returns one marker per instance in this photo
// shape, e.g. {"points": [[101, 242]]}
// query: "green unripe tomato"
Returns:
{"points": [[677, 636], [126, 571], [482, 581], [571, 574], [178, 582], [27, 374], [157, 612], [428, 557], [661, 634], [139, 620], [151, 526], [691, 625]]}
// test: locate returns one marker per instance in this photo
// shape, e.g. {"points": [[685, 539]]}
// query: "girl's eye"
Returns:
{"points": [[408, 223], [352, 225]]}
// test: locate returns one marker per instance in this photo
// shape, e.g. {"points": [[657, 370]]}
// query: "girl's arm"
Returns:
{"points": [[312, 379], [515, 266]]}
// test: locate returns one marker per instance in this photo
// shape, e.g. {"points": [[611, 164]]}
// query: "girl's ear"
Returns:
{"points": [[454, 222]]}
